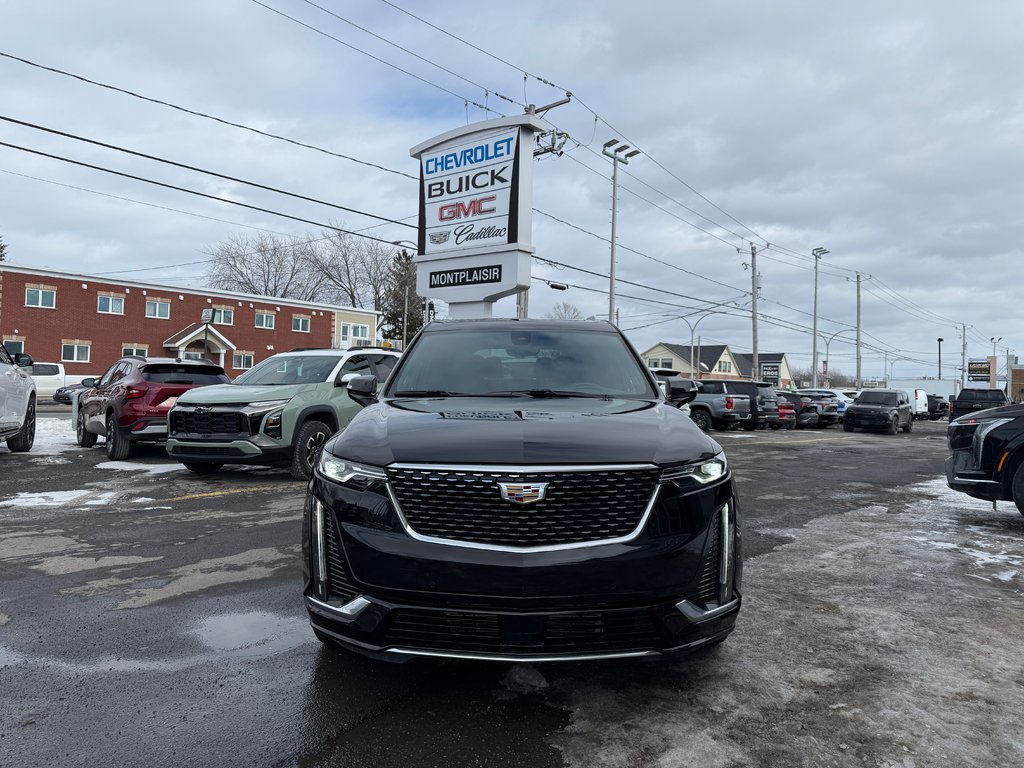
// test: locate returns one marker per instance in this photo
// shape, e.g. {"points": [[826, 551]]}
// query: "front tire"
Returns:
{"points": [[85, 438], [909, 426], [701, 419], [23, 441], [894, 425], [118, 447], [847, 427], [311, 438], [202, 467], [1018, 488]]}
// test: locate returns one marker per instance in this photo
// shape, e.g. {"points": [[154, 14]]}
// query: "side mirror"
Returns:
{"points": [[22, 360], [90, 383], [681, 391], [343, 380], [363, 389]]}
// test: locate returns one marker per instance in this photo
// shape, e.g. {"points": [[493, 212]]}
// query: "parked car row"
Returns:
{"points": [[278, 413]]}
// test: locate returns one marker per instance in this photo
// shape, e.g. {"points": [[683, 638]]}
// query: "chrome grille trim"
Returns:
{"points": [[523, 470]]}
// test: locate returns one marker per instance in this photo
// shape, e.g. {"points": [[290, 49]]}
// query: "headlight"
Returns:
{"points": [[267, 404], [348, 473], [703, 472], [272, 426], [984, 427]]}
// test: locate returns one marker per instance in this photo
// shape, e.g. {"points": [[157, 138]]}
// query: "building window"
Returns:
{"points": [[14, 347], [139, 351], [265, 320], [40, 297], [189, 354], [224, 316], [354, 335], [724, 366], [159, 309], [241, 361], [74, 353], [110, 305], [300, 324], [660, 363]]}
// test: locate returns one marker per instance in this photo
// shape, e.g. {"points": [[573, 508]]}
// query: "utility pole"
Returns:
{"points": [[963, 356], [755, 369], [859, 384], [817, 253]]}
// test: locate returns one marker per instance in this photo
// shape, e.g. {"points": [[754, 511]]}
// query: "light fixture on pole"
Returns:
{"points": [[995, 341], [817, 253], [618, 155], [829, 340], [940, 358]]}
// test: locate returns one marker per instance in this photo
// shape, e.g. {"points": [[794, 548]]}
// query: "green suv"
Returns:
{"points": [[277, 414]]}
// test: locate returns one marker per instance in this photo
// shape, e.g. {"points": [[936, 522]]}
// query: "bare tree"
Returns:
{"points": [[336, 261], [3, 250], [565, 311], [267, 265], [376, 266]]}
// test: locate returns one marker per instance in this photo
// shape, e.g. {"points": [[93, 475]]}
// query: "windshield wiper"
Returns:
{"points": [[556, 393], [427, 393]]}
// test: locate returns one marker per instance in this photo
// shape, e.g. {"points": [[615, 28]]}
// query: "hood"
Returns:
{"points": [[522, 431], [220, 394], [870, 407]]}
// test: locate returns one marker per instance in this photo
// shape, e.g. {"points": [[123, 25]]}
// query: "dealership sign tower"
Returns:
{"points": [[476, 213]]}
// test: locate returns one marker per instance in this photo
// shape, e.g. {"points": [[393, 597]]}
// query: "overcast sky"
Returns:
{"points": [[887, 133]]}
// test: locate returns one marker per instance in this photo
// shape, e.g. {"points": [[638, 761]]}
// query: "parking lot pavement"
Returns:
{"points": [[152, 616]]}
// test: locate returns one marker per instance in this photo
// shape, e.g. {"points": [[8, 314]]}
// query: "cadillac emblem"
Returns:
{"points": [[437, 238], [523, 493]]}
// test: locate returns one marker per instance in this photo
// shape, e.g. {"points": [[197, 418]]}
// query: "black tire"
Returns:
{"points": [[847, 427], [894, 425], [701, 419], [791, 425], [310, 439], [85, 438], [23, 441], [202, 467], [118, 447], [750, 426], [1017, 488], [776, 426], [909, 426]]}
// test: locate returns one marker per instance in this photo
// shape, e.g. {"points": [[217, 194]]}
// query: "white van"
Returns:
{"points": [[918, 402]]}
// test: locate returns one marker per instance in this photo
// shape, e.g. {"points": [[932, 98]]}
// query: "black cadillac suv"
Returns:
{"points": [[521, 490], [986, 458]]}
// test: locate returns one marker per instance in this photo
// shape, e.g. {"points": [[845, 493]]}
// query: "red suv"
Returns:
{"points": [[129, 403]]}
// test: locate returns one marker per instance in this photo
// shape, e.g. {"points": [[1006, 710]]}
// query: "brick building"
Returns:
{"points": [[87, 322]]}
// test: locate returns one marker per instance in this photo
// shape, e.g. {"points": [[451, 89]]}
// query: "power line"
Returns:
{"points": [[204, 115], [385, 62], [191, 191], [235, 179]]}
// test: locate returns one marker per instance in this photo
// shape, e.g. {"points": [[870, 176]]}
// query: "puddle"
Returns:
{"points": [[253, 633]]}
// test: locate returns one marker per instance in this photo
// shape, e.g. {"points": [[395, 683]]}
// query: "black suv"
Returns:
{"points": [[880, 409], [521, 490], [987, 454], [129, 403]]}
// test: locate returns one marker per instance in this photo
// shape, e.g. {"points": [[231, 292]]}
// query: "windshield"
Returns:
{"points": [[993, 395], [538, 363], [291, 369], [169, 373], [877, 398]]}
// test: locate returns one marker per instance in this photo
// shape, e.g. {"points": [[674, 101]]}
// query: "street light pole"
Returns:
{"points": [[829, 340], [817, 253], [995, 341], [618, 155], [940, 358]]}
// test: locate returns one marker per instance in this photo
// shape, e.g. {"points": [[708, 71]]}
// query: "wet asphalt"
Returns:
{"points": [[153, 617]]}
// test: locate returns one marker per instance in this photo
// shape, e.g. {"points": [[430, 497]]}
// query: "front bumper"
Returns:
{"points": [[228, 452], [388, 595], [964, 475]]}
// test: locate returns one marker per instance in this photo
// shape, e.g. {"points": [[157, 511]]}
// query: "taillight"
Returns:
{"points": [[133, 392], [951, 409], [728, 403]]}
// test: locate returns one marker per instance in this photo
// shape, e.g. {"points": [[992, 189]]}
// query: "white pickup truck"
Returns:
{"points": [[50, 377]]}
